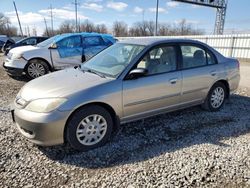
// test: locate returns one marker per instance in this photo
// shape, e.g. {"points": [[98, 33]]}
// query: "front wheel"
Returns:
{"points": [[36, 68], [89, 128], [216, 97]]}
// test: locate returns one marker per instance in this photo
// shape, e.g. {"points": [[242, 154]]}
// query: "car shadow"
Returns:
{"points": [[162, 134], [20, 78]]}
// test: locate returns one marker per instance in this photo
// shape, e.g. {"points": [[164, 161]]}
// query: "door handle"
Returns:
{"points": [[213, 73], [173, 80]]}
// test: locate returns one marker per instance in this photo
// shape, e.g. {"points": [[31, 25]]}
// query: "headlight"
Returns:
{"points": [[45, 105], [17, 56]]}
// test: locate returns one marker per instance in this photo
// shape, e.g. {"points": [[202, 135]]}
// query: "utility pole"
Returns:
{"points": [[76, 4], [143, 13], [51, 18], [79, 25], [18, 19], [28, 29], [46, 27], [156, 17]]}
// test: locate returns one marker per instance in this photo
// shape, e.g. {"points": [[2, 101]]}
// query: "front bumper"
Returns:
{"points": [[13, 71], [44, 129], [14, 67]]}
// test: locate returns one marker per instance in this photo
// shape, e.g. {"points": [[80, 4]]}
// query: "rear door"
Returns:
{"points": [[68, 52], [92, 45], [199, 70], [158, 90]]}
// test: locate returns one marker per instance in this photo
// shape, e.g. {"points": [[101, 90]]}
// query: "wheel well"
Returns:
{"points": [[225, 83], [39, 58], [114, 117]]}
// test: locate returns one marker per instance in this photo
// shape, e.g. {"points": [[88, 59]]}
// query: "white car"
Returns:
{"points": [[55, 53]]}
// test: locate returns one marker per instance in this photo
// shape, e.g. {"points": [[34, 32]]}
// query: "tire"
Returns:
{"points": [[215, 102], [36, 68], [82, 135]]}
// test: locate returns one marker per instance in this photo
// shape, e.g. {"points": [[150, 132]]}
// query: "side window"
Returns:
{"points": [[69, 42], [107, 41], [210, 59], [31, 41], [193, 56], [159, 60], [40, 40], [93, 41]]}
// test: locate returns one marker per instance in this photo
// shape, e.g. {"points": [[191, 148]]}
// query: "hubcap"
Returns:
{"points": [[35, 70], [91, 129], [217, 97]]}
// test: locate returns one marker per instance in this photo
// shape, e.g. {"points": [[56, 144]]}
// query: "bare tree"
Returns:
{"points": [[68, 26], [101, 28], [164, 29], [87, 26], [50, 33], [5, 26], [120, 29], [146, 28], [138, 29], [185, 28]]}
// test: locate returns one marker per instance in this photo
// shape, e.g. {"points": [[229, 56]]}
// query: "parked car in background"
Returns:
{"points": [[10, 44], [55, 53], [7, 44], [3, 39], [128, 81], [1, 44]]}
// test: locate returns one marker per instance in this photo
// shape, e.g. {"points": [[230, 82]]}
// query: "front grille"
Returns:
{"points": [[27, 131]]}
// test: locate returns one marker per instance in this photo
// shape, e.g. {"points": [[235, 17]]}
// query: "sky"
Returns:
{"points": [[33, 12]]}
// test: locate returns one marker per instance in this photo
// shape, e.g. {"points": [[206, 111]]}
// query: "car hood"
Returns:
{"points": [[22, 49], [60, 84]]}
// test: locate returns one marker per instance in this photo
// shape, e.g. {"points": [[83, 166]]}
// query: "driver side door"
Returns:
{"points": [[157, 91]]}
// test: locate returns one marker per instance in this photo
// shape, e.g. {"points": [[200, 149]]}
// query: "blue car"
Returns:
{"points": [[55, 53]]}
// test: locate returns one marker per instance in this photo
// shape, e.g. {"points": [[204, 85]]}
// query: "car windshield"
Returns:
{"points": [[113, 60], [19, 41], [48, 42]]}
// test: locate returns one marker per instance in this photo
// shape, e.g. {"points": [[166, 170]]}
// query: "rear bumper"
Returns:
{"points": [[234, 83]]}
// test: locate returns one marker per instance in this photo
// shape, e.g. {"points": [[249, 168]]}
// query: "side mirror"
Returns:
{"points": [[53, 46], [137, 73]]}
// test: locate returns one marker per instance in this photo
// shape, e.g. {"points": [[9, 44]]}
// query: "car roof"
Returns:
{"points": [[84, 34], [155, 40]]}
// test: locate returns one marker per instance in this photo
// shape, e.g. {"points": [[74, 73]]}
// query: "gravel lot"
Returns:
{"points": [[187, 148]]}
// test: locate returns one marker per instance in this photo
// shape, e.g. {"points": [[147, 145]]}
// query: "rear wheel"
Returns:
{"points": [[36, 68], [216, 97], [89, 128]]}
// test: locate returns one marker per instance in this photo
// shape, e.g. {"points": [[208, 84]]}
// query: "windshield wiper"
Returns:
{"points": [[97, 73]]}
